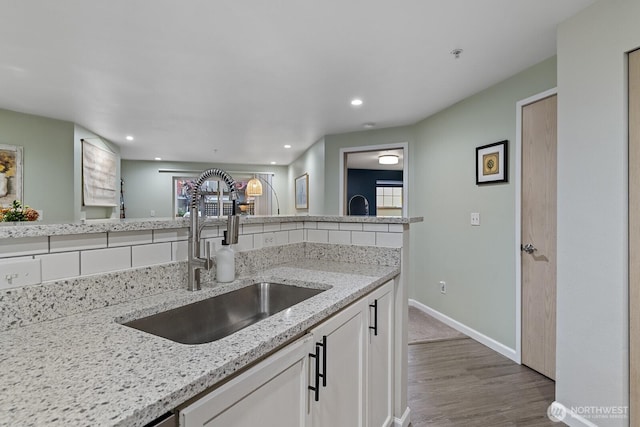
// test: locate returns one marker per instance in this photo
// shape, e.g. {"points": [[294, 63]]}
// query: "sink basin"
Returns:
{"points": [[215, 318]]}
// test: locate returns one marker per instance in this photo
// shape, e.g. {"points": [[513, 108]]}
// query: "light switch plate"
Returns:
{"points": [[475, 218], [20, 273]]}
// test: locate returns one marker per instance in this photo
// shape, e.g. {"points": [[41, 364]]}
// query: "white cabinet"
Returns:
{"points": [[271, 394], [380, 357], [340, 374], [340, 348]]}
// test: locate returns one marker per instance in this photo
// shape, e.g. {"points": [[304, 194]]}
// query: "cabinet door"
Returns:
{"points": [[341, 400], [380, 357], [271, 394]]}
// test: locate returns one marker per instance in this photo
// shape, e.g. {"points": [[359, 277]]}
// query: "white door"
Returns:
{"points": [[538, 239], [380, 362], [340, 348]]}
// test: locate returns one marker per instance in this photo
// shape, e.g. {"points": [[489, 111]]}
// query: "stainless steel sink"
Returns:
{"points": [[219, 316]]}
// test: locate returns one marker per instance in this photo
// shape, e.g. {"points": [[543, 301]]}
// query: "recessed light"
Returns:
{"points": [[129, 138], [273, 163], [356, 102], [158, 158], [287, 146]]}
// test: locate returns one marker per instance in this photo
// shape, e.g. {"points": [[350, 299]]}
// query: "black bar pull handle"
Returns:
{"points": [[375, 317], [316, 388], [324, 359]]}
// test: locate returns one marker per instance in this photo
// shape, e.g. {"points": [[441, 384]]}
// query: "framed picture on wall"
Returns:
{"points": [[10, 174], [302, 191], [491, 163]]}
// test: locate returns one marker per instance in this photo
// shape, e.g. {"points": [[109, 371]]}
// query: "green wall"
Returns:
{"points": [[478, 263], [48, 162], [313, 163], [147, 189]]}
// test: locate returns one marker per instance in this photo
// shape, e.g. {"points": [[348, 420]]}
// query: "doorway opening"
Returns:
{"points": [[374, 180]]}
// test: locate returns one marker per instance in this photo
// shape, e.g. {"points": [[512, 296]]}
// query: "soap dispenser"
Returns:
{"points": [[225, 262]]}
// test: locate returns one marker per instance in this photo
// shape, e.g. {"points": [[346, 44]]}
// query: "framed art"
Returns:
{"points": [[10, 174], [302, 191], [491, 163], [98, 175]]}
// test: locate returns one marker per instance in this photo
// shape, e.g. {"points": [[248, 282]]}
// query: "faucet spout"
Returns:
{"points": [[196, 262]]}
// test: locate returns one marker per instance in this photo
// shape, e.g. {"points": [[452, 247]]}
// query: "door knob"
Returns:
{"points": [[528, 248]]}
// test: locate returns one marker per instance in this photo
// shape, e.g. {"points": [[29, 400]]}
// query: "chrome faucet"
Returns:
{"points": [[196, 263]]}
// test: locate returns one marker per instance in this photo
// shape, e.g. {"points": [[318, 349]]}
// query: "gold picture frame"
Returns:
{"points": [[492, 162], [10, 174], [302, 191]]}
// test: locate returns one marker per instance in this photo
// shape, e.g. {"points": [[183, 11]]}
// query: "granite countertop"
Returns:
{"points": [[35, 229], [87, 369]]}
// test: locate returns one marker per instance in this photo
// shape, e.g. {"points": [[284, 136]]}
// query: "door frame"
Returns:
{"points": [[405, 172], [518, 211]]}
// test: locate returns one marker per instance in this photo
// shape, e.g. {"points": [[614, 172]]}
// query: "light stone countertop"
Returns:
{"points": [[35, 229], [88, 370]]}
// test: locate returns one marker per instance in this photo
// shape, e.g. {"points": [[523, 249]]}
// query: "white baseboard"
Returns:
{"points": [[569, 417], [471, 333], [404, 421]]}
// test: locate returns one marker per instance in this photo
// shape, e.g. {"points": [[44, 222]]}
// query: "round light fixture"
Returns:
{"points": [[129, 138], [287, 146], [273, 163], [356, 102], [157, 158], [388, 159]]}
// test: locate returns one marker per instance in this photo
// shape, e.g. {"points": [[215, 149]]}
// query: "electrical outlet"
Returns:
{"points": [[152, 213], [475, 218], [443, 287], [15, 273], [269, 239]]}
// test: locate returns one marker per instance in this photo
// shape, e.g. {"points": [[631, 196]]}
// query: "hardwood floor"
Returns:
{"points": [[462, 383]]}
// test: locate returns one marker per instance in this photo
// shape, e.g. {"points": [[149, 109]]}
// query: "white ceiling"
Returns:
{"points": [[369, 160], [233, 81]]}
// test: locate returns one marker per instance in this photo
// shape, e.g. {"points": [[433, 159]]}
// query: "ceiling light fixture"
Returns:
{"points": [[388, 159], [356, 102], [287, 146], [273, 163], [129, 138], [157, 158]]}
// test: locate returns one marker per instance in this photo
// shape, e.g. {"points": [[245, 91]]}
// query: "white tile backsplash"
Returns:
{"points": [[24, 246], [396, 228], [60, 266], [310, 224], [209, 232], [363, 238], [170, 235], [350, 226], [128, 238], [245, 242], [340, 237], [180, 250], [318, 236], [251, 228], [282, 237], [288, 226], [375, 227], [270, 227], [328, 226], [390, 240], [296, 236], [103, 260], [78, 242], [157, 253]]}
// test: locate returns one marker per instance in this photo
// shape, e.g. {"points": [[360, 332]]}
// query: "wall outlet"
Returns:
{"points": [[443, 287], [269, 239], [475, 218], [24, 272], [152, 213]]}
